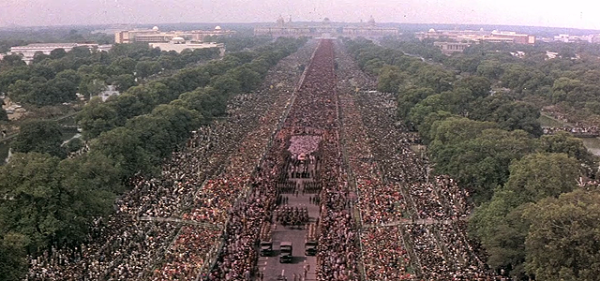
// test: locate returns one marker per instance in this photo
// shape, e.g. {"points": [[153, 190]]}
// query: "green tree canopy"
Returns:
{"points": [[13, 256], [563, 142], [542, 175], [562, 243], [390, 78], [481, 161], [39, 136]]}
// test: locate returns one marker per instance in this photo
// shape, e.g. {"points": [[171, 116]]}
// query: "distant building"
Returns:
{"points": [[154, 35], [477, 36], [566, 38], [451, 47], [108, 92], [178, 44], [371, 30], [562, 38], [324, 29], [29, 51]]}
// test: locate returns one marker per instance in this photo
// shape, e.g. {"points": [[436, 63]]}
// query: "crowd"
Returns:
{"points": [[578, 131], [417, 220]]}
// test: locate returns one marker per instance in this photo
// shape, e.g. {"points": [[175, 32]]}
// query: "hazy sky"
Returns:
{"points": [[556, 13]]}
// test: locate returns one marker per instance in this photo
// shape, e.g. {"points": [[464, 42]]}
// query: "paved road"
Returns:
{"points": [[270, 266]]}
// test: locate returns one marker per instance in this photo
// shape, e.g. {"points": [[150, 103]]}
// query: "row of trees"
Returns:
{"points": [[49, 201], [55, 78], [236, 72], [524, 184]]}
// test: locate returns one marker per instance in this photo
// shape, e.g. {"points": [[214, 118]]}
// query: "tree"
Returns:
{"points": [[479, 86], [490, 69], [21, 90], [32, 183], [11, 61], [61, 89], [390, 79], [518, 116], [58, 53], [562, 243], [430, 104], [91, 85], [456, 130], [122, 66], [124, 148], [191, 79], [542, 175], [500, 224], [249, 79], [563, 142], [425, 128], [74, 145], [3, 114], [226, 84], [408, 98], [158, 140], [435, 78], [97, 117], [124, 82], [143, 69], [127, 106], [207, 101], [53, 201], [11, 76], [500, 227], [13, 256], [480, 162], [39, 136]]}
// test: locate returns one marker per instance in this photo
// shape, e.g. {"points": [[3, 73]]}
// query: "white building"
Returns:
{"points": [[154, 35], [29, 51], [108, 92], [178, 44]]}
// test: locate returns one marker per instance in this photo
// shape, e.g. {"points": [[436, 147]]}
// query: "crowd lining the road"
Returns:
{"points": [[417, 229]]}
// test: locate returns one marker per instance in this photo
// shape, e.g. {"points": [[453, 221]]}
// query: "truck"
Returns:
{"points": [[266, 243], [311, 241], [285, 254]]}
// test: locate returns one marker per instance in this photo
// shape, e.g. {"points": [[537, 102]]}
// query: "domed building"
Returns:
{"points": [[280, 21], [371, 21], [324, 29], [369, 30], [178, 40]]}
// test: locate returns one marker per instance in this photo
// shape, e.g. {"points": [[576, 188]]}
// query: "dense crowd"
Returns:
{"points": [[413, 224], [313, 117], [237, 260]]}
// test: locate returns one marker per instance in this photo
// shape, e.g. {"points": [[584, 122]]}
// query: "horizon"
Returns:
{"points": [[575, 14], [426, 25]]}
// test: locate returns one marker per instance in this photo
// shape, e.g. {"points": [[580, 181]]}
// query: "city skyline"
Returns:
{"points": [[572, 14]]}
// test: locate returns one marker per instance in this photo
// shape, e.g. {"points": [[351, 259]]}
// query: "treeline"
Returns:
{"points": [[48, 201], [524, 185], [563, 75], [23, 36], [234, 73], [56, 78]]}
